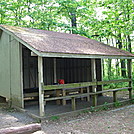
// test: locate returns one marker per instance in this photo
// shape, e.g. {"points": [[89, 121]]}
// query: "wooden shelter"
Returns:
{"points": [[32, 62]]}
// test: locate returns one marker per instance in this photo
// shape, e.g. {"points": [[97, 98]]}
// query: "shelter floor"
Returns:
{"points": [[52, 108]]}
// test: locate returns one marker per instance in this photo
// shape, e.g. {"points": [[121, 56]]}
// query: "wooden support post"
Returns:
{"points": [[115, 96], [93, 74], [94, 100], [58, 102], [88, 97], [102, 74], [129, 66], [73, 103], [58, 92], [55, 75], [81, 91], [63, 94], [41, 91]]}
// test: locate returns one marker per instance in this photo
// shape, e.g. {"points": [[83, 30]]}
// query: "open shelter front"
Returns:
{"points": [[72, 70], [43, 58]]}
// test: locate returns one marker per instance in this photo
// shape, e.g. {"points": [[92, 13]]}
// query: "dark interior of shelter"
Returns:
{"points": [[71, 70]]}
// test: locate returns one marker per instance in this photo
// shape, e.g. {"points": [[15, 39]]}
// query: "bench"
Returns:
{"points": [[71, 91], [74, 96]]}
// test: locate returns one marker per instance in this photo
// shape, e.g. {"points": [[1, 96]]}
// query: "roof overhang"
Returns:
{"points": [[63, 55], [66, 55]]}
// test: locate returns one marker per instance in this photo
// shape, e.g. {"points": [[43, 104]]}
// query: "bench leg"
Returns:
{"points": [[73, 103], [45, 103], [94, 100], [81, 91], [115, 96], [88, 97], [130, 93], [58, 102], [63, 94]]}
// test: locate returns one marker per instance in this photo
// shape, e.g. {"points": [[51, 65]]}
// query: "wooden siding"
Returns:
{"points": [[73, 70], [4, 65], [10, 70], [16, 73]]}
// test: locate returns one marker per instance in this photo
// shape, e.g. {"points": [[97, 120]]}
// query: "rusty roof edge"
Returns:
{"points": [[20, 40]]}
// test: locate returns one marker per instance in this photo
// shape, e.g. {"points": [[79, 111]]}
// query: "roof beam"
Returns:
{"points": [[67, 55], [33, 54]]}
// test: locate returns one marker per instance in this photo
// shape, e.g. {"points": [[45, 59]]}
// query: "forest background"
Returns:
{"points": [[108, 21]]}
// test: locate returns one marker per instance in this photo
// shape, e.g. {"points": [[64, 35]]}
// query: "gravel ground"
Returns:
{"points": [[13, 118], [118, 121]]}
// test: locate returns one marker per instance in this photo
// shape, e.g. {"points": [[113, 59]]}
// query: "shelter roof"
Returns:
{"points": [[44, 42]]}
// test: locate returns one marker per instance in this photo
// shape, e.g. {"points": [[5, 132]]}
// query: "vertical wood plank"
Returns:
{"points": [[41, 93], [129, 66], [73, 103], [93, 75]]}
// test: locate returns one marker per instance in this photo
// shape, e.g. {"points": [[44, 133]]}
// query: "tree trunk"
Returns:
{"points": [[103, 67], [129, 44], [73, 22], [123, 66], [117, 67], [109, 68]]}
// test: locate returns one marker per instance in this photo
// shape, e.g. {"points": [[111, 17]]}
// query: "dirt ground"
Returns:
{"points": [[114, 121]]}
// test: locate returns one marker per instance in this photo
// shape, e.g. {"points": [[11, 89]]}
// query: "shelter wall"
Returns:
{"points": [[16, 73], [10, 69], [5, 65], [71, 70]]}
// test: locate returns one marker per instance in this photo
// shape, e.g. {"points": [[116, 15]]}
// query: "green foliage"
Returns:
{"points": [[117, 104], [105, 106], [109, 21], [132, 101], [114, 85], [54, 118], [92, 109]]}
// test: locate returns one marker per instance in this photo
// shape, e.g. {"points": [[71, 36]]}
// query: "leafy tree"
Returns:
{"points": [[109, 21]]}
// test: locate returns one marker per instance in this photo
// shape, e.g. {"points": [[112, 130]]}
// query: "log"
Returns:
{"points": [[27, 129]]}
